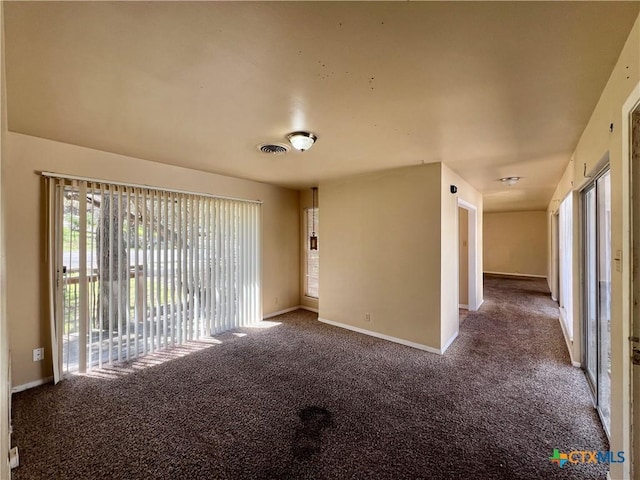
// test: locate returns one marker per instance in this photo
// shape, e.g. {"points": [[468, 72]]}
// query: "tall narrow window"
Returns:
{"points": [[138, 269], [565, 255], [312, 256]]}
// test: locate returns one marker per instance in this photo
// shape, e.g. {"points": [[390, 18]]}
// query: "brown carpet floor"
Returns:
{"points": [[304, 400]]}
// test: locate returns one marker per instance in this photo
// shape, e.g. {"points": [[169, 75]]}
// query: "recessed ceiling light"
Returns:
{"points": [[302, 140], [509, 181]]}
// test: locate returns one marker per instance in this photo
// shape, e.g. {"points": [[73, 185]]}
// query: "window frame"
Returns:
{"points": [[307, 251]]}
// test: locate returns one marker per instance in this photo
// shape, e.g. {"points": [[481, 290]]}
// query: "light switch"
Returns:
{"points": [[618, 260]]}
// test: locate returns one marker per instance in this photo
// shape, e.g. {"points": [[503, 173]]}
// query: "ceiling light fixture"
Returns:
{"points": [[302, 140], [509, 181]]}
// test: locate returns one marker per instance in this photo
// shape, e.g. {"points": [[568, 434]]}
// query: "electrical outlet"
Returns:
{"points": [[38, 354], [367, 317]]}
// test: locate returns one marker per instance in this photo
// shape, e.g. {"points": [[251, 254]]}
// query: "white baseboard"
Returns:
{"points": [[463, 306], [517, 274], [280, 312], [36, 383], [478, 307], [287, 310], [389, 338], [14, 458], [449, 342], [567, 342]]}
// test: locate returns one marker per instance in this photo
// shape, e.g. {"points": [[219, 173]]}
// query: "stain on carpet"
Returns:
{"points": [[308, 437]]}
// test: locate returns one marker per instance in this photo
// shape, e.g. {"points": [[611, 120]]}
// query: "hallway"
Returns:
{"points": [[517, 337]]}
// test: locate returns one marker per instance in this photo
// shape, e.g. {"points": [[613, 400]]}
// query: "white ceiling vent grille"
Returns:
{"points": [[273, 148]]}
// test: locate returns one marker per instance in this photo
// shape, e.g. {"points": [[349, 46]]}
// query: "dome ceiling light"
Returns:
{"points": [[509, 181], [302, 140]]}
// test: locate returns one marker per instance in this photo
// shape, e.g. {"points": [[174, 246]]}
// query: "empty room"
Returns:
{"points": [[322, 240]]}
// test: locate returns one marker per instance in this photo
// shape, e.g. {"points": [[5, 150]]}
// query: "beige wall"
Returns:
{"points": [[463, 249], [595, 142], [390, 249], [449, 309], [306, 201], [381, 253], [26, 290], [516, 243], [5, 442]]}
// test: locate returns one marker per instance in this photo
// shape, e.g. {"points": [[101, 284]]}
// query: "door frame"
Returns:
{"points": [[591, 185], [626, 264], [474, 270], [554, 281]]}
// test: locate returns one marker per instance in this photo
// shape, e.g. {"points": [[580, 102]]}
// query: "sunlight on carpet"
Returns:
{"points": [[118, 370]]}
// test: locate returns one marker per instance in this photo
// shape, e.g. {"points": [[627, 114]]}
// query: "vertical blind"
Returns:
{"points": [[565, 255], [135, 269]]}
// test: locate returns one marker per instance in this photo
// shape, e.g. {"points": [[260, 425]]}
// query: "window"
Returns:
{"points": [[312, 256], [138, 269]]}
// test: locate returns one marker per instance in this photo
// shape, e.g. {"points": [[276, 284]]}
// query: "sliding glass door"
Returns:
{"points": [[591, 287], [136, 270], [596, 201]]}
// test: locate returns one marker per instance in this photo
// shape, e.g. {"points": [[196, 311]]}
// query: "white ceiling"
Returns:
{"points": [[490, 89]]}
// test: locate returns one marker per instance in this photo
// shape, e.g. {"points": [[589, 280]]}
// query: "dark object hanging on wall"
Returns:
{"points": [[454, 189], [313, 240]]}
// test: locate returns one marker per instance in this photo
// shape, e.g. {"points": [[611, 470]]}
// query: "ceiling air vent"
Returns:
{"points": [[273, 148]]}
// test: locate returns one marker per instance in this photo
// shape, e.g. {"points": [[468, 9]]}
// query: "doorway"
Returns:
{"points": [[469, 276], [463, 263], [596, 218], [554, 280], [565, 267]]}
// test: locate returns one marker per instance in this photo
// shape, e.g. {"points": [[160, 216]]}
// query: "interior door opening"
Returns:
{"points": [[565, 266], [468, 297], [463, 251], [554, 281]]}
